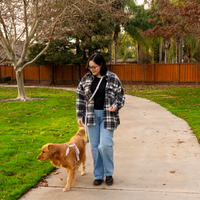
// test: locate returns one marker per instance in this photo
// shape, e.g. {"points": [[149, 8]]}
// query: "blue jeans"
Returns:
{"points": [[101, 142]]}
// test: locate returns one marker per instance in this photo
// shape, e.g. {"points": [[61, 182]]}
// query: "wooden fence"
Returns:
{"points": [[127, 73]]}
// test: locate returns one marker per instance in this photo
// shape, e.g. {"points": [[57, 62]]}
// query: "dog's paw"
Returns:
{"points": [[83, 173], [66, 189]]}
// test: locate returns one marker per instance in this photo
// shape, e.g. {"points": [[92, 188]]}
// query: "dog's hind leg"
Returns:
{"points": [[83, 165], [73, 181]]}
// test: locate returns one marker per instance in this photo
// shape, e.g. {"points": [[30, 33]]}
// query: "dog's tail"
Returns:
{"points": [[81, 131]]}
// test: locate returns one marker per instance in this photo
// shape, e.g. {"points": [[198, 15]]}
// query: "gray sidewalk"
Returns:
{"points": [[156, 155]]}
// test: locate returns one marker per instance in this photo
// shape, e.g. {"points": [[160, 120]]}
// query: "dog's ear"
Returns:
{"points": [[52, 149], [81, 131]]}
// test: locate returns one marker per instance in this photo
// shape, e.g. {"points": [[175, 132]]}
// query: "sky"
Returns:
{"points": [[140, 2]]}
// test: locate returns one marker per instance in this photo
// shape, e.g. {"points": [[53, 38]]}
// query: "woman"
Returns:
{"points": [[102, 114]]}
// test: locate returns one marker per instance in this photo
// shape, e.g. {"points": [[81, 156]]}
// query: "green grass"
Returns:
{"points": [[24, 128], [183, 101]]}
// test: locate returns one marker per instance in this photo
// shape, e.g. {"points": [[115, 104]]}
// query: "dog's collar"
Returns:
{"points": [[77, 151]]}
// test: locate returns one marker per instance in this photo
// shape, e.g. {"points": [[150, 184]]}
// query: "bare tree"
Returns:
{"points": [[32, 21]]}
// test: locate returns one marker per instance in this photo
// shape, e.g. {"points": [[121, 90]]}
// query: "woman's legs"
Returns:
{"points": [[106, 150], [101, 142], [94, 139]]}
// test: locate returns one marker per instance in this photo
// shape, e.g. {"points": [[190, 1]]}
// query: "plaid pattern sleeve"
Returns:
{"points": [[119, 96], [80, 101], [114, 96]]}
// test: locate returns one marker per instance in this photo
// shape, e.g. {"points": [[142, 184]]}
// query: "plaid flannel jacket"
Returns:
{"points": [[114, 96]]}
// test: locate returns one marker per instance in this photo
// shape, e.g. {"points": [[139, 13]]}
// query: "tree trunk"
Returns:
{"points": [[138, 53], [110, 51], [181, 49], [78, 69], [90, 52], [78, 72], [166, 41], [160, 52], [178, 50], [115, 52], [115, 39], [189, 55], [21, 89]]}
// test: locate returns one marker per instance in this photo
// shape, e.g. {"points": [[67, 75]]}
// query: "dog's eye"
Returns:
{"points": [[43, 152]]}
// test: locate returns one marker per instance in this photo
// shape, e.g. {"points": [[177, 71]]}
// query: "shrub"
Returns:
{"points": [[6, 79]]}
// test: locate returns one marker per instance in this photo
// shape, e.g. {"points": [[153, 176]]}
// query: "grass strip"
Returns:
{"points": [[24, 128], [182, 101]]}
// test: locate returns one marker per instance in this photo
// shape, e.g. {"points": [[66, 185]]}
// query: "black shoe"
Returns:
{"points": [[97, 182], [109, 180]]}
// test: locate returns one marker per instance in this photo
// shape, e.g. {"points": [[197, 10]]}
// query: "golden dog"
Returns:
{"points": [[56, 153]]}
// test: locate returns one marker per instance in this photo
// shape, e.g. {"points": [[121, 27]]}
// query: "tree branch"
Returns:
{"points": [[6, 46], [50, 38], [101, 4], [5, 39], [3, 59], [25, 19]]}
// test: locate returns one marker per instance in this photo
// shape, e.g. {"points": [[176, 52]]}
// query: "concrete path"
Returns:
{"points": [[157, 157]]}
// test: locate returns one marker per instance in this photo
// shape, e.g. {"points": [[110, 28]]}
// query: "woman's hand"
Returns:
{"points": [[80, 122], [112, 109]]}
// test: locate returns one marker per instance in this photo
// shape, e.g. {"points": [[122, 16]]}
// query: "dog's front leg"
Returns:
{"points": [[69, 179]]}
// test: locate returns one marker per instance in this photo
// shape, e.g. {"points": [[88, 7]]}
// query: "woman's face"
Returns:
{"points": [[94, 68]]}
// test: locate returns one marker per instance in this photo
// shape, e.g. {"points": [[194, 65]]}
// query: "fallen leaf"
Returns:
{"points": [[180, 141], [56, 173], [45, 184], [172, 172], [10, 174]]}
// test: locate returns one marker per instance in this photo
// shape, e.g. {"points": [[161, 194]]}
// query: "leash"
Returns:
{"points": [[72, 145], [86, 117]]}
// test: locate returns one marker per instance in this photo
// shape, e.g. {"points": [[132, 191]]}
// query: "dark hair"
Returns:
{"points": [[100, 61]]}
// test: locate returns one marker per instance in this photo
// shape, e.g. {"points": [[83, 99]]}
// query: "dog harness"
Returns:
{"points": [[77, 151]]}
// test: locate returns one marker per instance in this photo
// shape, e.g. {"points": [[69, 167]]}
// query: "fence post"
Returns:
{"points": [[39, 73], [179, 74], [72, 75], [12, 75], [131, 74], [24, 74], [0, 75], [62, 74], [154, 73]]}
